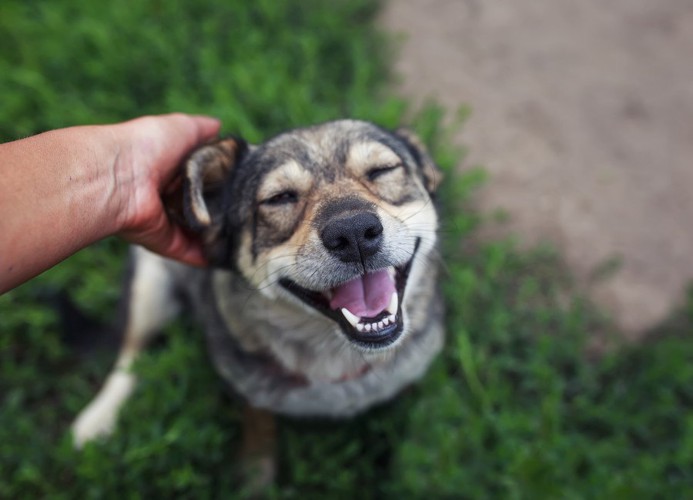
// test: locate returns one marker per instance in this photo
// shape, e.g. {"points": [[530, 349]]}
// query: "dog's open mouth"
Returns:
{"points": [[368, 307]]}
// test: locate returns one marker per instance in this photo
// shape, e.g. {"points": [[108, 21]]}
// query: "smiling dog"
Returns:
{"points": [[322, 298]]}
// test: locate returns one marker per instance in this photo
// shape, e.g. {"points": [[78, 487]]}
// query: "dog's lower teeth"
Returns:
{"points": [[355, 321]]}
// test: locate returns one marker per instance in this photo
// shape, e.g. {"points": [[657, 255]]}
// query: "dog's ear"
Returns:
{"points": [[206, 172], [204, 175], [429, 171]]}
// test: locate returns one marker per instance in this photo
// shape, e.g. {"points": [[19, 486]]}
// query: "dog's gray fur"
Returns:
{"points": [[265, 213]]}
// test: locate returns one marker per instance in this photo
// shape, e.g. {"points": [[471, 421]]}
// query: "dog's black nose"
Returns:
{"points": [[353, 238]]}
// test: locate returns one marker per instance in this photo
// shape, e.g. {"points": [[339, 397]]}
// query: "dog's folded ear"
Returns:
{"points": [[429, 171], [205, 173]]}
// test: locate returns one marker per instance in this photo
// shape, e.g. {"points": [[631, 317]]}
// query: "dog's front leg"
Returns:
{"points": [[258, 453], [150, 302]]}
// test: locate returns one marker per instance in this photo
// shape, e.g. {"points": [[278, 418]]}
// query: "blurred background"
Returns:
{"points": [[583, 116], [569, 238]]}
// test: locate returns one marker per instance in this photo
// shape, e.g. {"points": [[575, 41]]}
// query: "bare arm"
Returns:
{"points": [[63, 190]]}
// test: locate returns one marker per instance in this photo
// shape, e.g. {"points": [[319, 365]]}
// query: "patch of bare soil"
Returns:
{"points": [[583, 116]]}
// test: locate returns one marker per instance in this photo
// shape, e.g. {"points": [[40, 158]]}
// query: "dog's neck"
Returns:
{"points": [[274, 368]]}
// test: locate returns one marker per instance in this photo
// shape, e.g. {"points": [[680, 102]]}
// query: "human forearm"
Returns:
{"points": [[57, 195]]}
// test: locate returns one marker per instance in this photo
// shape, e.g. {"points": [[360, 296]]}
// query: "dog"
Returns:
{"points": [[321, 298]]}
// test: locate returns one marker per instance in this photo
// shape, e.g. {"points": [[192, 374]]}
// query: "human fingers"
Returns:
{"points": [[156, 145], [183, 248], [178, 135], [166, 238]]}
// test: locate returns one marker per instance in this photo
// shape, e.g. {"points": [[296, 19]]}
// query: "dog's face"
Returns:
{"points": [[332, 219]]}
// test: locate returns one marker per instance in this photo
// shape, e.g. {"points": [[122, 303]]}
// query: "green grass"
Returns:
{"points": [[513, 409]]}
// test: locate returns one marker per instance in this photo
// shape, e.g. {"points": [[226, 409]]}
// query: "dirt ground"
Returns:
{"points": [[583, 116]]}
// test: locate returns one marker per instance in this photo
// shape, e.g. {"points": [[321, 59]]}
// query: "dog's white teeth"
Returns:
{"points": [[351, 318], [394, 304], [357, 323]]}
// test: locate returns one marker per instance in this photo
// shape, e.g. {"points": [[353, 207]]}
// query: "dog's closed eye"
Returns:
{"points": [[376, 172], [282, 198]]}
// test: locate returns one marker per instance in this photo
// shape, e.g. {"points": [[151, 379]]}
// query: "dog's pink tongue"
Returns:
{"points": [[366, 295]]}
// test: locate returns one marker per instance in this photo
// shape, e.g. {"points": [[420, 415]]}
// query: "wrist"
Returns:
{"points": [[103, 188], [133, 186]]}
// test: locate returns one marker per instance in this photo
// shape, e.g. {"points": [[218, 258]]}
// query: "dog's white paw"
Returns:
{"points": [[99, 418]]}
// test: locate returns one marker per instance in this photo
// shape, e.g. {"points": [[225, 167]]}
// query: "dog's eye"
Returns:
{"points": [[376, 172], [283, 198]]}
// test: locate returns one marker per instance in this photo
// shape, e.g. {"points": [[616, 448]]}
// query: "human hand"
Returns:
{"points": [[149, 151], [67, 188]]}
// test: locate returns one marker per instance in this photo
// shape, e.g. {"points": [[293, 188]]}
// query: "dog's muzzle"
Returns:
{"points": [[368, 307], [367, 303]]}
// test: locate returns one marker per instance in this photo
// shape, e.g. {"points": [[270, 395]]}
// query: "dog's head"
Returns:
{"points": [[336, 219]]}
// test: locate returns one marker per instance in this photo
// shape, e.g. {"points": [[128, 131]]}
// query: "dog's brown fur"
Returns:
{"points": [[289, 226]]}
